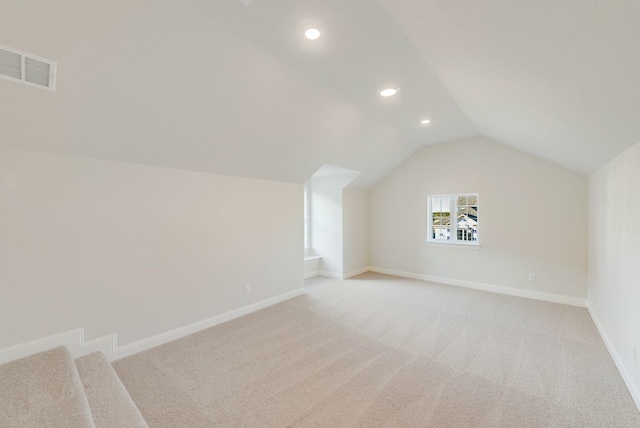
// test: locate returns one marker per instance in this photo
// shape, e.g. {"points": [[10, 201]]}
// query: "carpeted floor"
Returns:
{"points": [[381, 351], [110, 403], [43, 390]]}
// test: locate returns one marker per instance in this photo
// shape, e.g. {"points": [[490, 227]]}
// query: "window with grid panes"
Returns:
{"points": [[453, 218]]}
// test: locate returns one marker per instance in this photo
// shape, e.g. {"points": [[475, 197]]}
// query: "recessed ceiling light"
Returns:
{"points": [[388, 92], [312, 34], [425, 121]]}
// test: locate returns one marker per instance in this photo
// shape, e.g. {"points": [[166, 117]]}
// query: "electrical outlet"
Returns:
{"points": [[247, 289], [381, 259], [532, 276], [635, 354]]}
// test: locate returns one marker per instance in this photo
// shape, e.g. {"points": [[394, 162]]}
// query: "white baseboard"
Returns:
{"points": [[330, 274], [548, 297], [634, 389], [322, 273], [74, 339], [336, 275], [356, 272], [312, 266]]}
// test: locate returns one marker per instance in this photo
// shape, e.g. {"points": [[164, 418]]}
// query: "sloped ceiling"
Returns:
{"points": [[556, 78], [224, 87]]}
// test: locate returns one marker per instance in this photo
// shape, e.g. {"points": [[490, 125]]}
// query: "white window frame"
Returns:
{"points": [[454, 232]]}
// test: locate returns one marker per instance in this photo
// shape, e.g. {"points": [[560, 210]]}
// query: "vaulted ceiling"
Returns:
{"points": [[233, 88], [556, 78]]}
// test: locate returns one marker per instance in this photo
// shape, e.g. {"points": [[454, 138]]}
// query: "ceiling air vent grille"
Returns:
{"points": [[26, 68]]}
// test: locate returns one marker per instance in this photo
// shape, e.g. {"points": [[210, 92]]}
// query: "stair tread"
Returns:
{"points": [[110, 403], [43, 390]]}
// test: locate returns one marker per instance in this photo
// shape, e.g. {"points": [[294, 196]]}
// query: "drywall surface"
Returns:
{"points": [[355, 205], [177, 84], [532, 218], [136, 250], [327, 212], [614, 257], [326, 221]]}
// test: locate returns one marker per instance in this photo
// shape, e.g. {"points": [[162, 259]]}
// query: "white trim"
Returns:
{"points": [[356, 272], [312, 266], [53, 66], [338, 275], [453, 219], [634, 389], [454, 244], [330, 274], [530, 294], [311, 274], [74, 339]]}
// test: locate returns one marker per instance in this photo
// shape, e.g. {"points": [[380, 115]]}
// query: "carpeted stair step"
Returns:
{"points": [[43, 390], [111, 405]]}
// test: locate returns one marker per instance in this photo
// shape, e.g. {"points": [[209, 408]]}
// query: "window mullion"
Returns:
{"points": [[454, 218]]}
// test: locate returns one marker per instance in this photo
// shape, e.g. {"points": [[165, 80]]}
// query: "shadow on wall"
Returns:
{"points": [[325, 216]]}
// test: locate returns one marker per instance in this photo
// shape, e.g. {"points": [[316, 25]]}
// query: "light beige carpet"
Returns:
{"points": [[380, 351], [110, 403], [43, 390]]}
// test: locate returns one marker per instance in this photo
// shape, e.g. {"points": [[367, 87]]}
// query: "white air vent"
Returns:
{"points": [[247, 2], [26, 68]]}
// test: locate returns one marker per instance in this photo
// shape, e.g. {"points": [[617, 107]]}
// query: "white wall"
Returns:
{"points": [[614, 258], [311, 266], [136, 250], [327, 225], [326, 221], [355, 205], [239, 110], [533, 218]]}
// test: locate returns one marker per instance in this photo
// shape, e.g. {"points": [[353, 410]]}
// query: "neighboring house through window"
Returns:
{"points": [[453, 218]]}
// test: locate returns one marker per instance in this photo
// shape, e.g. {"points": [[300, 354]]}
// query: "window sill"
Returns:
{"points": [[311, 258], [474, 246]]}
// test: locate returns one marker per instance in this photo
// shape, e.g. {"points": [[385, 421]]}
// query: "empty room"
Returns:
{"points": [[319, 213]]}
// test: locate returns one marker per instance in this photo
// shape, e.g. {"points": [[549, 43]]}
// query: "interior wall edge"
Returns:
{"points": [[634, 390]]}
